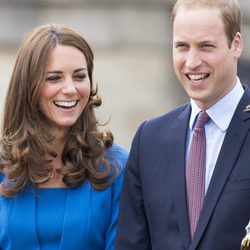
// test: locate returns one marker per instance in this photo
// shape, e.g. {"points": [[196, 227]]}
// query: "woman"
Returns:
{"points": [[60, 175]]}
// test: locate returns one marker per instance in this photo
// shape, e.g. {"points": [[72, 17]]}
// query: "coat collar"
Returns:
{"points": [[177, 163], [23, 209]]}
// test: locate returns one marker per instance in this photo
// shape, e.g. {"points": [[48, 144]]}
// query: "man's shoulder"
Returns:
{"points": [[169, 117], [161, 125]]}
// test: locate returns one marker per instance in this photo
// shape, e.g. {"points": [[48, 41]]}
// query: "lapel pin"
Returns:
{"points": [[245, 243], [247, 109]]}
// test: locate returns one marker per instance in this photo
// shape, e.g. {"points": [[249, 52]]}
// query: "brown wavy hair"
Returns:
{"points": [[26, 135], [230, 13]]}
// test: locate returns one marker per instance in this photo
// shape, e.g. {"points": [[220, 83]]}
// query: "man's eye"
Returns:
{"points": [[207, 46], [181, 45]]}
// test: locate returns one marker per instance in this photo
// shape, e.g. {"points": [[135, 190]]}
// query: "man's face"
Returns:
{"points": [[204, 62]]}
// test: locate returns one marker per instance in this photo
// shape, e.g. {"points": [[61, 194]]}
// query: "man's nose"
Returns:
{"points": [[193, 59]]}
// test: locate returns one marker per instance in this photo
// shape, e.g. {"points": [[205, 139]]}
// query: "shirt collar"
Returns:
{"points": [[221, 112]]}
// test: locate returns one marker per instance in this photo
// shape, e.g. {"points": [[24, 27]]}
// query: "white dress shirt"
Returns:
{"points": [[221, 114]]}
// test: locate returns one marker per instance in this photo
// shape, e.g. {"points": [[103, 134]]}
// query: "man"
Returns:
{"points": [[157, 209]]}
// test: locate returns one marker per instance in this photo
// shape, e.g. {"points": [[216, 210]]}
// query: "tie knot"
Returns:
{"points": [[202, 119]]}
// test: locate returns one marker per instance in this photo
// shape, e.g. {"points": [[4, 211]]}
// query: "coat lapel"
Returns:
{"points": [[236, 133], [23, 212], [177, 161], [77, 217]]}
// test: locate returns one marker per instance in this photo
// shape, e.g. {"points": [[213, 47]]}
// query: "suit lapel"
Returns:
{"points": [[230, 149], [177, 161]]}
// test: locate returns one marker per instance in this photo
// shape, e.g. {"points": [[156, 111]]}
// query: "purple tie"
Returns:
{"points": [[195, 172]]}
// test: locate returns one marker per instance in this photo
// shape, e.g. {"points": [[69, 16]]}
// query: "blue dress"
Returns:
{"points": [[79, 218]]}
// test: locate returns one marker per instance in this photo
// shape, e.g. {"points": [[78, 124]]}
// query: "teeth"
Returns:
{"points": [[65, 104], [197, 77]]}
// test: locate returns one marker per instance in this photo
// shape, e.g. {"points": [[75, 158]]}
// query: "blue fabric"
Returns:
{"points": [[50, 201], [1, 177], [90, 216]]}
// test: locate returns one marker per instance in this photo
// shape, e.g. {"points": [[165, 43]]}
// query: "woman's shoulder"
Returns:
{"points": [[1, 176], [1, 179], [1, 164], [117, 153], [117, 149]]}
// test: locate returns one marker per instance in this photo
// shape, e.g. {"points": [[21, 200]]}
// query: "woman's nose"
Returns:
{"points": [[69, 87]]}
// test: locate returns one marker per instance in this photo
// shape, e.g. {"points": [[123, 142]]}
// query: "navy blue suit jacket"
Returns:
{"points": [[153, 212]]}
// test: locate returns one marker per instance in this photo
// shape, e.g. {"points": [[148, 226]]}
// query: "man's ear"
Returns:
{"points": [[237, 45]]}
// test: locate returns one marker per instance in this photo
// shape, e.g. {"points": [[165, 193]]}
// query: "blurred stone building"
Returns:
{"points": [[131, 41]]}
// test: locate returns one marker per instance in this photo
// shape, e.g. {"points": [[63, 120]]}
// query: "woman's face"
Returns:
{"points": [[66, 90]]}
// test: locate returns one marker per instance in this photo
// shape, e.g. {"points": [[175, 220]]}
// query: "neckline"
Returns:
{"points": [[52, 188]]}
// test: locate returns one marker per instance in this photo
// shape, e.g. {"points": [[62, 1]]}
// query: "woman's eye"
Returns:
{"points": [[53, 78], [80, 77]]}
